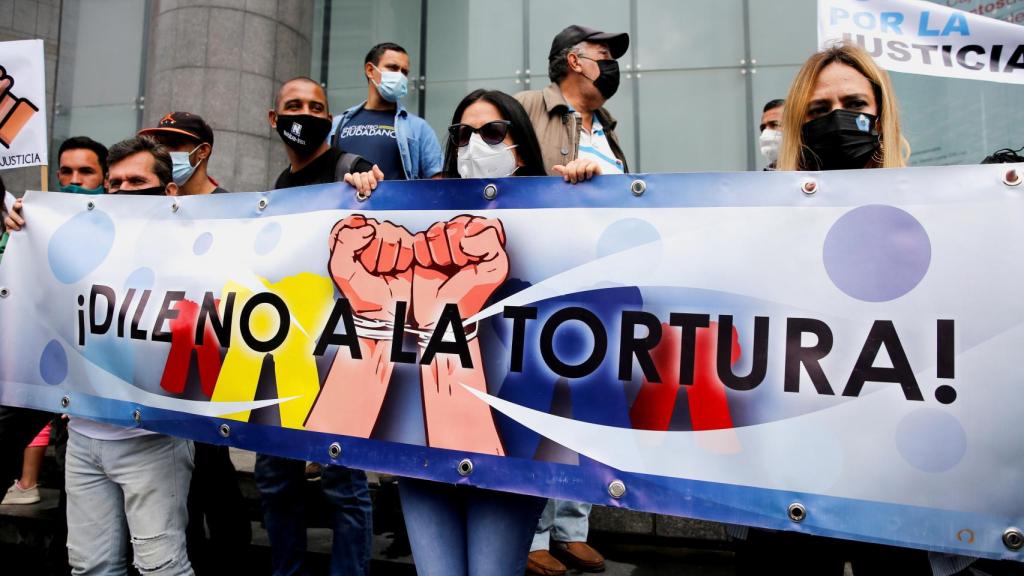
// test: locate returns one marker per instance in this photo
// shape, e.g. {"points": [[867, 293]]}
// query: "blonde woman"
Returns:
{"points": [[841, 113]]}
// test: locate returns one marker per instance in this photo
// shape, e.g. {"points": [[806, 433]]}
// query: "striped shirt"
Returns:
{"points": [[594, 145]]}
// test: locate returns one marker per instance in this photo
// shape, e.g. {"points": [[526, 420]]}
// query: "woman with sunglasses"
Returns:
{"points": [[462, 530]]}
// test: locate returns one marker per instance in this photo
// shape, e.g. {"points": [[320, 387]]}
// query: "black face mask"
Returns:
{"points": [[151, 191], [607, 82], [839, 140], [303, 133]]}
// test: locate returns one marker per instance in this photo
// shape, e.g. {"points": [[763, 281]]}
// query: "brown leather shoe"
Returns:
{"points": [[543, 563], [578, 555]]}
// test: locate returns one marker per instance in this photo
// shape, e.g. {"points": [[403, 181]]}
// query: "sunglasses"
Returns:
{"points": [[492, 133]]}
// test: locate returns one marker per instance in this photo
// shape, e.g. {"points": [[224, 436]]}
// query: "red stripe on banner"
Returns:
{"points": [[183, 330], [709, 407]]}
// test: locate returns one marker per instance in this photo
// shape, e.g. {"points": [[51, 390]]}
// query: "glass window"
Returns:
{"points": [[100, 81]]}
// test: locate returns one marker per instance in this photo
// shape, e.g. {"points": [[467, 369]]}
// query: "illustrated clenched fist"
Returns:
{"points": [[375, 264], [371, 263], [462, 261]]}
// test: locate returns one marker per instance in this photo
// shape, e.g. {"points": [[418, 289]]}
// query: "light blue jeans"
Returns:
{"points": [[467, 531], [119, 488], [563, 520]]}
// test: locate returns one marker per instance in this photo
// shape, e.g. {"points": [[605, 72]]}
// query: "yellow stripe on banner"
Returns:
{"points": [[309, 298]]}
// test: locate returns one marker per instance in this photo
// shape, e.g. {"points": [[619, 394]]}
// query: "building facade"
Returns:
{"points": [[693, 81]]}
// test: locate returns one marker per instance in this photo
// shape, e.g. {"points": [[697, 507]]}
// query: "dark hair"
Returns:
{"points": [[373, 56], [277, 96], [773, 104], [85, 143], [558, 66], [521, 130], [1004, 156], [134, 145]]}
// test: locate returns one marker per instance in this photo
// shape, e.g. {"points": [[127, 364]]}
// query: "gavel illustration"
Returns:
{"points": [[14, 112]]}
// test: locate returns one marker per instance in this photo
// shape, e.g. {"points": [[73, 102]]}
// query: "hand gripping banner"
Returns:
{"points": [[830, 353]]}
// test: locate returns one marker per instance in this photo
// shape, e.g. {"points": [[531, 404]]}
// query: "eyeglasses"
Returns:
{"points": [[492, 133]]}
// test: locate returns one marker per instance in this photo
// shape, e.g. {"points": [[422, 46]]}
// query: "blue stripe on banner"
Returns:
{"points": [[764, 508], [731, 189]]}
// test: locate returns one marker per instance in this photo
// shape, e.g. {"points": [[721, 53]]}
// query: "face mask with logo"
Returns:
{"points": [[303, 133], [607, 81], [76, 189], [479, 159], [769, 142], [393, 86], [181, 168], [840, 140]]}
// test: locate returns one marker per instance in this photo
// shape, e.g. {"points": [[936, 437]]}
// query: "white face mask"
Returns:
{"points": [[769, 141], [481, 160]]}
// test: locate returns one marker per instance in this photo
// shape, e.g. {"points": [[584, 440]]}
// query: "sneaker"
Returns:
{"points": [[18, 495], [313, 471]]}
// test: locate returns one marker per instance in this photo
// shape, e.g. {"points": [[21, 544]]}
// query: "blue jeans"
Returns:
{"points": [[281, 482], [136, 487], [462, 531], [563, 520]]}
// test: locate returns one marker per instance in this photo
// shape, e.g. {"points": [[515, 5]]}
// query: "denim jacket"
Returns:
{"points": [[417, 143]]}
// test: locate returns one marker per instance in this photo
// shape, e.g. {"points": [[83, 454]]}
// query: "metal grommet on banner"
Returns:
{"points": [[1013, 539], [465, 467], [137, 415], [4, 292], [90, 205], [809, 187], [262, 204], [617, 489], [797, 512], [65, 401], [334, 450], [638, 187], [362, 197], [224, 430], [175, 205], [490, 192], [1012, 177]]}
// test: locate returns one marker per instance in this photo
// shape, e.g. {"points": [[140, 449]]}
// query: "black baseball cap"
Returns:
{"points": [[618, 42], [184, 123]]}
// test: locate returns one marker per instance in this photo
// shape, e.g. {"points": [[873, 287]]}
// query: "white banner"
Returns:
{"points": [[22, 104], [920, 37]]}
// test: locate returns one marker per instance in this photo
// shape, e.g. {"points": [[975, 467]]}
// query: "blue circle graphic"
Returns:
{"points": [[141, 279], [202, 244], [877, 253], [931, 440], [625, 234], [80, 245], [267, 238], [53, 363]]}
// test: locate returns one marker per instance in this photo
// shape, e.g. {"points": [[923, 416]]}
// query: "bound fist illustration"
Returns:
{"points": [[461, 261], [371, 263]]}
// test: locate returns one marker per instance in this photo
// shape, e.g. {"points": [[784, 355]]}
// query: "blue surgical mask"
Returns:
{"points": [[393, 86], [76, 189], [181, 168]]}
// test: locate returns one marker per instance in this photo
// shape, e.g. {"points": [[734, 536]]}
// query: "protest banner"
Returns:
{"points": [[22, 104], [836, 358], [920, 37]]}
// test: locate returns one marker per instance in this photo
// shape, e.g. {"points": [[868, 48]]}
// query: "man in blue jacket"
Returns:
{"points": [[380, 129]]}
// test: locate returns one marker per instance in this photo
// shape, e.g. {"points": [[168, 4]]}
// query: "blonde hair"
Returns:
{"points": [[895, 149]]}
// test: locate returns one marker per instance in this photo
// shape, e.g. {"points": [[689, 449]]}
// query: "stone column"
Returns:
{"points": [[224, 60], [28, 20]]}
